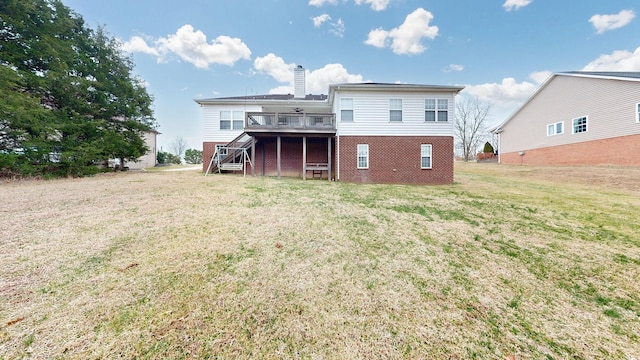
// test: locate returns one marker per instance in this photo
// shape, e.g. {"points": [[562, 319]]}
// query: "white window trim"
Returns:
{"points": [[393, 109], [436, 111], [573, 126], [365, 146], [555, 127], [422, 155], [342, 108], [231, 120]]}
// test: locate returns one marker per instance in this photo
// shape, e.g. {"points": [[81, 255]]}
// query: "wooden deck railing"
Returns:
{"points": [[289, 121]]}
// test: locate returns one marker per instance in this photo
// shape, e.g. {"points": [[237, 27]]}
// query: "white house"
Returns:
{"points": [[364, 132]]}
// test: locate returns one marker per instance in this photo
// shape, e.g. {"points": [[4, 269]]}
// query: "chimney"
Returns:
{"points": [[298, 82]]}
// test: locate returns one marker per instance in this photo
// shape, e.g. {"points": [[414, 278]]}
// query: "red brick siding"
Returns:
{"points": [[396, 160], [290, 152], [623, 151]]}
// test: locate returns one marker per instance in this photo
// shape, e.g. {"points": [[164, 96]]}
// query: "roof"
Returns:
{"points": [[311, 98], [606, 75]]}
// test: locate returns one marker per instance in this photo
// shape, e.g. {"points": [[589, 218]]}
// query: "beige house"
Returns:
{"points": [[576, 118], [148, 159]]}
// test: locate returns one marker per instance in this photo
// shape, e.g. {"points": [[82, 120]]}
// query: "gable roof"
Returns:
{"points": [[608, 75]]}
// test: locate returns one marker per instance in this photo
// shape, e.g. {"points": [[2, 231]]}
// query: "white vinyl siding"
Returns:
{"points": [[568, 97], [395, 109], [371, 115], [580, 125], [363, 156], [346, 109], [425, 156], [555, 128], [211, 122]]}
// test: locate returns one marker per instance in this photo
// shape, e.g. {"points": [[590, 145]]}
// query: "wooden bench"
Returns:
{"points": [[232, 166], [316, 168]]}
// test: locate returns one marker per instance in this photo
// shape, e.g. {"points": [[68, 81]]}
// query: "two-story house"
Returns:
{"points": [[576, 118], [364, 132]]}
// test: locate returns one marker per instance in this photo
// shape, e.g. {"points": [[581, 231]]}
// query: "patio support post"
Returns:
{"points": [[253, 156], [278, 157], [329, 157], [304, 158]]}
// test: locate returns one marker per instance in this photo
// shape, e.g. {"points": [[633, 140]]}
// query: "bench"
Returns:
{"points": [[316, 168], [232, 166]]}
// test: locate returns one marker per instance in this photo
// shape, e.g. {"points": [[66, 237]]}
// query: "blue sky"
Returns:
{"points": [[501, 50]]}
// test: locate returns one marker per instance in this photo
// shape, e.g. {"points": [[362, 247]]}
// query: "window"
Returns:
{"points": [[425, 156], [346, 109], [436, 110], [395, 109], [555, 128], [231, 120], [580, 125], [443, 110], [363, 156], [221, 150], [638, 113]]}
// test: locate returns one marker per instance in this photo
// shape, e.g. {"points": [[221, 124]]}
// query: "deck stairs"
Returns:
{"points": [[232, 156]]}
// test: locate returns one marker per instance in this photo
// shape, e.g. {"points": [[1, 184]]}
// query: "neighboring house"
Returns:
{"points": [[148, 159], [365, 132], [576, 118]]}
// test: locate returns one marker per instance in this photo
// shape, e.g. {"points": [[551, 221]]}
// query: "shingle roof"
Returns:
{"points": [[617, 74], [320, 97]]}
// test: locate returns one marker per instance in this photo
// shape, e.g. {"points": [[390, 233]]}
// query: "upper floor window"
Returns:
{"points": [[436, 110], [363, 156], [580, 125], [425, 156], [231, 120], [346, 109], [638, 113], [395, 109], [555, 129]]}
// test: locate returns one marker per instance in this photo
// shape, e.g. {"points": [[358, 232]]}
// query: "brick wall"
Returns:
{"points": [[397, 160], [623, 151]]}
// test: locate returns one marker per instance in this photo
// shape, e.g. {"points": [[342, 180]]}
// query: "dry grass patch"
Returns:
{"points": [[507, 261]]}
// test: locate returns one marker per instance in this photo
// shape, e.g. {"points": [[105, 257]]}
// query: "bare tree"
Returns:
{"points": [[178, 146], [471, 117]]}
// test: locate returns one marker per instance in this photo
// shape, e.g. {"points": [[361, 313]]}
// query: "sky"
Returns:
{"points": [[500, 50]]}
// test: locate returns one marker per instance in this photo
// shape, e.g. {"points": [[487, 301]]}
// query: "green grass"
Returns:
{"points": [[505, 261]]}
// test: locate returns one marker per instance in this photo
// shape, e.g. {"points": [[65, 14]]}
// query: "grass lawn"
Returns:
{"points": [[508, 262]]}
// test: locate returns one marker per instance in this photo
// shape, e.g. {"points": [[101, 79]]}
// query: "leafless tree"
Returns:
{"points": [[470, 128], [178, 146]]}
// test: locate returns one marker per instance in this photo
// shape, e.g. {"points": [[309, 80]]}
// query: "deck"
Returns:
{"points": [[294, 123]]}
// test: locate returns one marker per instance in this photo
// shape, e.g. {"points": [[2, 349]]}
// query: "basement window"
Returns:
{"points": [[555, 128], [425, 156], [363, 156], [580, 125]]}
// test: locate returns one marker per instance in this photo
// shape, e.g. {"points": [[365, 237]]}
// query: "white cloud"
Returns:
{"points": [[453, 67], [192, 46], [275, 67], [504, 94], [319, 3], [540, 76], [619, 60], [406, 38], [515, 4], [337, 27], [138, 44], [376, 5], [316, 81], [319, 20], [604, 23]]}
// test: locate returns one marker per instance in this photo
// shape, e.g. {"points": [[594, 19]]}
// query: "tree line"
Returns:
{"points": [[69, 101]]}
